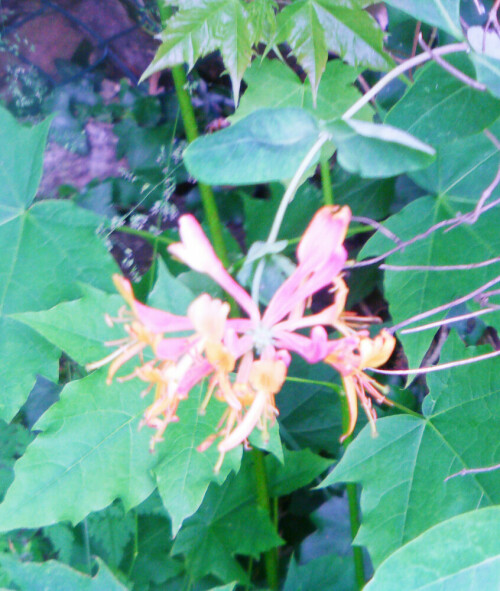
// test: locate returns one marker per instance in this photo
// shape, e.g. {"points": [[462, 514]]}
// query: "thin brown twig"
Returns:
{"points": [[434, 368], [378, 226], [450, 320], [464, 267], [466, 471], [473, 216], [453, 222], [476, 292], [451, 69]]}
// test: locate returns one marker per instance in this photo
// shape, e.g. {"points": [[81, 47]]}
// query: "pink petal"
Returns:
{"points": [[196, 251], [159, 321]]}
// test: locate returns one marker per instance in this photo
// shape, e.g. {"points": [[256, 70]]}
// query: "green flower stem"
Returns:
{"points": [[270, 557], [326, 182], [352, 499], [149, 236], [191, 129]]}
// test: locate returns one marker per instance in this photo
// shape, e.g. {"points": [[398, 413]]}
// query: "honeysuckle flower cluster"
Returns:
{"points": [[245, 359]]}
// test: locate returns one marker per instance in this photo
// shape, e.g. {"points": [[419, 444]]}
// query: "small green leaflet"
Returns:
{"points": [[202, 26], [268, 145], [314, 27], [403, 470], [372, 150], [468, 557], [444, 14], [53, 575]]}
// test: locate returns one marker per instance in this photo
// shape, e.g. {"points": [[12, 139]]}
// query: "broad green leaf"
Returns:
{"points": [[110, 530], [89, 453], [46, 248], [32, 576], [169, 293], [14, 439], [486, 57], [439, 108], [314, 27], [366, 197], [376, 151], [468, 557], [463, 168], [202, 26], [229, 522], [309, 413], [444, 14], [426, 289], [259, 213], [297, 469], [268, 145], [403, 469], [336, 92], [326, 572], [78, 327], [184, 474], [21, 159]]}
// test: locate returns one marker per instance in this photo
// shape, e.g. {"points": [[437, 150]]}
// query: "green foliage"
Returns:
{"points": [[418, 154], [430, 288], [35, 239], [403, 470], [269, 145], [314, 27], [30, 576], [468, 556]]}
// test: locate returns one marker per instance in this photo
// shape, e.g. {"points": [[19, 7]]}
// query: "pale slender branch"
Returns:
{"points": [[378, 226], [447, 306], [455, 72], [464, 267], [434, 368], [285, 202], [398, 70], [466, 471], [450, 320]]}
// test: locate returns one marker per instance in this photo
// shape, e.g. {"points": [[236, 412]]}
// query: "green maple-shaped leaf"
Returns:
{"points": [[89, 453], [53, 575], [184, 473], [314, 27], [230, 522], [426, 289], [468, 557], [403, 470], [202, 26], [46, 248]]}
